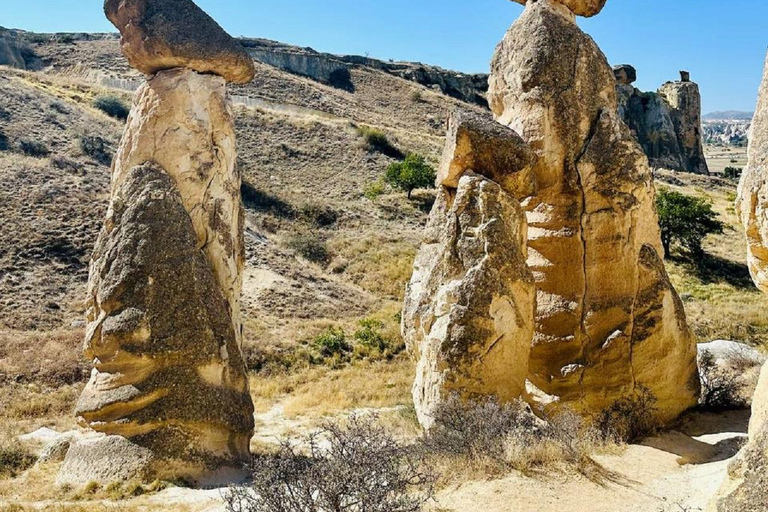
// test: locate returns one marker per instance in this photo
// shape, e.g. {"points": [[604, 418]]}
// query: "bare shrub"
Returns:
{"points": [[310, 247], [356, 466], [721, 387], [493, 437], [629, 418], [97, 148], [34, 148]]}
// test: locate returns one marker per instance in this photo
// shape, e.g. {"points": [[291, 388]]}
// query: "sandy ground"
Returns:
{"points": [[677, 472]]}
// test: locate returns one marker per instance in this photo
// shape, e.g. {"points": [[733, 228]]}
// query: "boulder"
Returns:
{"points": [[165, 34], [469, 307], [625, 74], [477, 143], [585, 8], [609, 323]]}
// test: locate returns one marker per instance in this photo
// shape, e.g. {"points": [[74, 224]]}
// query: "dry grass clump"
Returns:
{"points": [[490, 438], [351, 466], [26, 402], [380, 263], [630, 418], [15, 457], [320, 391], [51, 358]]}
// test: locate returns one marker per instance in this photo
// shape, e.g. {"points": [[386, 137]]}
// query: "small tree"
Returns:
{"points": [[412, 173], [686, 220]]}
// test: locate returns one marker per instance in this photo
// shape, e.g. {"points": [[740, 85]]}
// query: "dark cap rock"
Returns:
{"points": [[166, 34], [625, 74]]}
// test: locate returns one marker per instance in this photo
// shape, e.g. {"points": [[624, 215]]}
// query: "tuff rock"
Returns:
{"points": [[746, 488], [609, 323], [168, 395], [469, 307], [667, 123], [585, 8], [163, 34]]}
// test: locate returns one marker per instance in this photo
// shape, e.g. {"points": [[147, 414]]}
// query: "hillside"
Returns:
{"points": [[319, 253]]}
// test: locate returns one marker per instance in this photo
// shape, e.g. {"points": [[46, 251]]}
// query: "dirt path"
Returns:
{"points": [[679, 471]]}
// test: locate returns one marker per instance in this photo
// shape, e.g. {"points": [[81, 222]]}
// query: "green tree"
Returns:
{"points": [[686, 220], [412, 173]]}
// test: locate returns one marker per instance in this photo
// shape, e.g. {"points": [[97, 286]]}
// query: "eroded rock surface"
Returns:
{"points": [[752, 204], [684, 99], [166, 34], [609, 322], [168, 372], [667, 123], [746, 488], [470, 304]]}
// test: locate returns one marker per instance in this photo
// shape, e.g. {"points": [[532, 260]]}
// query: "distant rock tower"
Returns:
{"points": [[667, 123], [609, 323], [168, 396]]}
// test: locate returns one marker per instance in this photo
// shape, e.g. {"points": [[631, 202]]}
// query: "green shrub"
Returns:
{"points": [[332, 342], [374, 189], [309, 247], [377, 344], [411, 174], [34, 149], [733, 173], [376, 140], [112, 106], [686, 220]]}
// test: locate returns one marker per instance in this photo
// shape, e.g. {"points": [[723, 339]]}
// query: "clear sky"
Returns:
{"points": [[723, 44]]}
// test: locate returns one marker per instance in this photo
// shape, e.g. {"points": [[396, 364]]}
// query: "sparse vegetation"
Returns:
{"points": [[720, 388], [493, 438], [3, 141], [310, 247], [685, 220], [374, 189], [14, 457], [33, 148], [629, 419], [411, 174], [377, 141], [97, 148], [113, 106], [355, 466], [332, 343]]}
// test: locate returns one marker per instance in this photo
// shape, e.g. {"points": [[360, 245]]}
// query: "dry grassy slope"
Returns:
{"points": [[299, 148]]}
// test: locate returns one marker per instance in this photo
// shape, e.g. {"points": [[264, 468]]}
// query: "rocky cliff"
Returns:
{"points": [[334, 69], [667, 123]]}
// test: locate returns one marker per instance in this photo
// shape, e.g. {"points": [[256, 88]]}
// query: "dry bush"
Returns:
{"points": [[486, 436], [356, 466], [14, 456], [629, 418], [728, 384]]}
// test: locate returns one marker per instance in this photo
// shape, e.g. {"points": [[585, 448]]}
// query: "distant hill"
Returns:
{"points": [[728, 114]]}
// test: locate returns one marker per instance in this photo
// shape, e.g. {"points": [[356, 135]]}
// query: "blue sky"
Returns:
{"points": [[722, 44]]}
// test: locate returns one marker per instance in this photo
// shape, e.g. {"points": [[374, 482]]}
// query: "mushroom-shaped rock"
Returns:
{"points": [[586, 8], [166, 34], [625, 74], [477, 143]]}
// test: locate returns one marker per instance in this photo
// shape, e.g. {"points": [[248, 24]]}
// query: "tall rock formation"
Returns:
{"points": [[168, 396], [469, 307], [609, 323], [746, 488], [667, 123], [684, 99]]}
